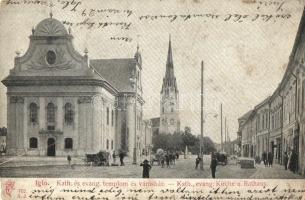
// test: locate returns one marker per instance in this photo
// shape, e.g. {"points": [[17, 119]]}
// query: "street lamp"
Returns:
{"points": [[134, 82]]}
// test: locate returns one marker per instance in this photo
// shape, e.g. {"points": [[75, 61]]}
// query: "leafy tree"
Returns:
{"points": [[179, 140]]}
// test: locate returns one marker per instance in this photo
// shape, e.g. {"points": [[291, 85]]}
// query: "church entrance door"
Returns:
{"points": [[51, 147]]}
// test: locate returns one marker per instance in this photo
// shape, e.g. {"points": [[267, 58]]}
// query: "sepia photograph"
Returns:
{"points": [[177, 89]]}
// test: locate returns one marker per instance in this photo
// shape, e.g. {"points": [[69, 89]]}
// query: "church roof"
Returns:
{"points": [[116, 71], [50, 27], [169, 79]]}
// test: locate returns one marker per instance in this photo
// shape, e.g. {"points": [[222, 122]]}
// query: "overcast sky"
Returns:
{"points": [[244, 61]]}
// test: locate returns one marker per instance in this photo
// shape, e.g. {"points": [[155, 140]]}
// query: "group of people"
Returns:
{"points": [[169, 159], [267, 159], [290, 161]]}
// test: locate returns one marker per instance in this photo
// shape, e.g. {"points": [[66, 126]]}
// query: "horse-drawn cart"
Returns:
{"points": [[99, 159]]}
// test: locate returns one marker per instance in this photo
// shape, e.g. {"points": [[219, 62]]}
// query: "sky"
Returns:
{"points": [[244, 61]]}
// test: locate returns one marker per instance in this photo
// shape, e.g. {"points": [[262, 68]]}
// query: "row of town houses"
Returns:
{"points": [[277, 124]]}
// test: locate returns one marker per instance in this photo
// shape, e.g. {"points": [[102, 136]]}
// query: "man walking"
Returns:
{"points": [[264, 157], [122, 155], [69, 160], [197, 162], [114, 157], [270, 159], [146, 169], [285, 160], [213, 164]]}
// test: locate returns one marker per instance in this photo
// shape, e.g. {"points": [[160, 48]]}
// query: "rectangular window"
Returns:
{"points": [[107, 116], [111, 144]]}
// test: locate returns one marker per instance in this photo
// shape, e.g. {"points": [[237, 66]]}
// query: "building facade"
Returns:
{"points": [[280, 119], [60, 102], [262, 127]]}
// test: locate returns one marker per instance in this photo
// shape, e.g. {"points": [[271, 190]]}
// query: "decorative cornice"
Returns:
{"points": [[85, 99], [58, 81], [55, 132], [16, 99]]}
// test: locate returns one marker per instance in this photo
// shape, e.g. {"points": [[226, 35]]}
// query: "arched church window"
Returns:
{"points": [[68, 143], [172, 109], [33, 143], [69, 114], [33, 113], [51, 116]]}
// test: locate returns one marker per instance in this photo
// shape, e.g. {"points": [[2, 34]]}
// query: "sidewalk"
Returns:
{"points": [[275, 172], [20, 161], [26, 161]]}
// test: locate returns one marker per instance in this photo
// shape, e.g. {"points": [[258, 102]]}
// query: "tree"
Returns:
{"points": [[179, 140]]}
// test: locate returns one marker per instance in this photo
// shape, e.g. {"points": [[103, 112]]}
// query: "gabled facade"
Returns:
{"points": [[60, 102]]}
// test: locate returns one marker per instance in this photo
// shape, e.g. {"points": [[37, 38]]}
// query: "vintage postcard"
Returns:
{"points": [[154, 99]]}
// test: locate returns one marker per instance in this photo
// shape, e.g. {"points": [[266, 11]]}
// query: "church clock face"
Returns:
{"points": [[51, 57]]}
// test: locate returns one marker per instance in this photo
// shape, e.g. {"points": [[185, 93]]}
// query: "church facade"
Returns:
{"points": [[60, 102], [169, 121]]}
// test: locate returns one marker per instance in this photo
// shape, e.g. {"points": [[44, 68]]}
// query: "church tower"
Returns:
{"points": [[169, 98]]}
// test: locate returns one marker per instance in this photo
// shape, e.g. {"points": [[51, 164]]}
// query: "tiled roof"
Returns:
{"points": [[116, 71], [246, 116]]}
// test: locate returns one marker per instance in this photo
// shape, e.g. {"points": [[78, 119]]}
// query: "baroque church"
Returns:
{"points": [[60, 102], [169, 121]]}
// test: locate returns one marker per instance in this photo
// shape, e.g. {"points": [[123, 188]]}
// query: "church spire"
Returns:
{"points": [[169, 79], [169, 54]]}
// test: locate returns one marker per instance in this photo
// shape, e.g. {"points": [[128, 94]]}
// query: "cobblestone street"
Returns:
{"points": [[184, 168]]}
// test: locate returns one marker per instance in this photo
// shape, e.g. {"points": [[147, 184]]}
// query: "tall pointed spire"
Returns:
{"points": [[169, 54], [169, 78]]}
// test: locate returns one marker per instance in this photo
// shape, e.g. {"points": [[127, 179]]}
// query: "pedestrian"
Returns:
{"points": [[146, 168], [69, 160], [293, 161], [167, 160], [197, 162], [213, 164], [285, 160], [122, 155], [162, 161], [264, 157], [177, 155], [114, 157], [270, 159]]}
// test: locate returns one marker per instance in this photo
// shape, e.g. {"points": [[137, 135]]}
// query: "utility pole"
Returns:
{"points": [[221, 145], [225, 136], [202, 120]]}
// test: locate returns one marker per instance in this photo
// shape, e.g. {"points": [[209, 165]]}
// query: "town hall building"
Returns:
{"points": [[60, 102]]}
